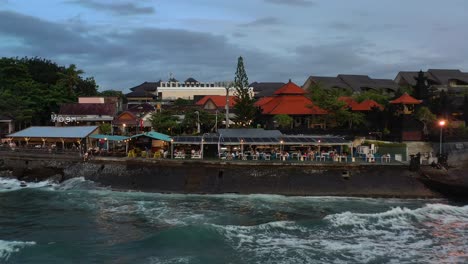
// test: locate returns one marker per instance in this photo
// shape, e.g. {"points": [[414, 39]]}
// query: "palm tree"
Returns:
{"points": [[70, 77]]}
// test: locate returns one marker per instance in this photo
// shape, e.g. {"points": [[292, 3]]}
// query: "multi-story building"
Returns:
{"points": [[451, 81], [352, 83], [167, 92]]}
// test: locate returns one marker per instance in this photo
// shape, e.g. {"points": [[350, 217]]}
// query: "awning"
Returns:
{"points": [[109, 137], [72, 132], [154, 135], [282, 140]]}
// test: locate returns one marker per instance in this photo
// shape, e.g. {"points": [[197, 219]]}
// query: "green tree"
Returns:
{"points": [[70, 77], [86, 87], [379, 97], [425, 115], [105, 128], [32, 88], [327, 99], [244, 108], [164, 122], [284, 121], [182, 102]]}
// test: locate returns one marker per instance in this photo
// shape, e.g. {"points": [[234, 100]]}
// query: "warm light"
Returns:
{"points": [[281, 141], [124, 125], [442, 123], [105, 138]]}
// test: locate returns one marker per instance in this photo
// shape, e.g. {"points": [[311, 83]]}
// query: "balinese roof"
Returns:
{"points": [[264, 100], [363, 82], [191, 80], [329, 82], [444, 76], [355, 83], [406, 99], [141, 108], [264, 89], [154, 135], [367, 105], [55, 132], [435, 76], [131, 119], [289, 100], [291, 105], [140, 93], [146, 86], [290, 89], [108, 109], [218, 100], [350, 102]]}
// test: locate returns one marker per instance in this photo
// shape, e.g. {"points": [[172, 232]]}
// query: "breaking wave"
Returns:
{"points": [[7, 248], [401, 234], [8, 184]]}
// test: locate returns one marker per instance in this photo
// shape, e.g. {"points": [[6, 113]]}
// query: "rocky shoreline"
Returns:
{"points": [[215, 177]]}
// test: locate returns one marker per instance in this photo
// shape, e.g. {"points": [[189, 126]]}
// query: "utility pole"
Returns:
{"points": [[228, 84]]}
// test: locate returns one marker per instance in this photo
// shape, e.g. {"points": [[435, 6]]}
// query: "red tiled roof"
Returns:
{"points": [[218, 100], [290, 88], [367, 105], [348, 100], [406, 99], [263, 101], [291, 105]]}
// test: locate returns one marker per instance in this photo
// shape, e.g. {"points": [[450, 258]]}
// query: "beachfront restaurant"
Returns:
{"points": [[150, 144], [52, 138], [260, 144], [113, 145]]}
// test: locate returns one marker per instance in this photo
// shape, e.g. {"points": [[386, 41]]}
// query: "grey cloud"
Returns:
{"points": [[341, 26], [292, 2], [125, 59], [239, 34], [119, 8], [39, 35], [266, 21]]}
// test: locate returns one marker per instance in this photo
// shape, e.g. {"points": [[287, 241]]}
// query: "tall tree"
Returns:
{"points": [[70, 78], [425, 115], [244, 108], [338, 114]]}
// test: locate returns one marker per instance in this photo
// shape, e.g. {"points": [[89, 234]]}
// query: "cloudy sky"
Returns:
{"points": [[123, 43]]}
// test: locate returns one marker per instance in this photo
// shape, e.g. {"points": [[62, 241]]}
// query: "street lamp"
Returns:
{"points": [[227, 103], [198, 121], [441, 124]]}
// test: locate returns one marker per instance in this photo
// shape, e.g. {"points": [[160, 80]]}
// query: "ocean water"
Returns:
{"points": [[77, 222]]}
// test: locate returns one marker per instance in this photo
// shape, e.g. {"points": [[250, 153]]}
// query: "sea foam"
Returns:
{"points": [[9, 185], [7, 248]]}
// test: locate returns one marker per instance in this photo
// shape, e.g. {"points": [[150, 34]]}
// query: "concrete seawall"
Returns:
{"points": [[175, 176]]}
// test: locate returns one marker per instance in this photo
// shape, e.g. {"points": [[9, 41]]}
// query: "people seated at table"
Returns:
{"points": [[370, 157]]}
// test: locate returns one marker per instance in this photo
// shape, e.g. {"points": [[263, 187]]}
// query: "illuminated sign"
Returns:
{"points": [[62, 119]]}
